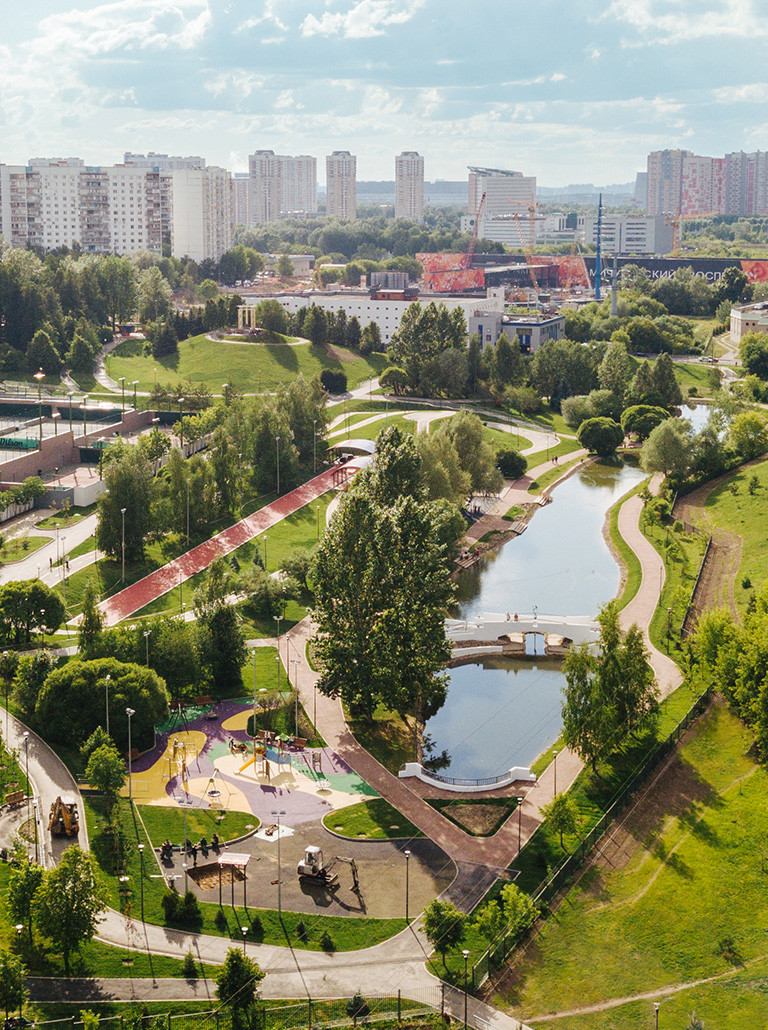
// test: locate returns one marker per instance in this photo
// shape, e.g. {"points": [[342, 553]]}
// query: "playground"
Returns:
{"points": [[204, 759]]}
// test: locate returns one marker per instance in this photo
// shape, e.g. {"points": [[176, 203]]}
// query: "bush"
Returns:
{"points": [[184, 910], [357, 1007], [189, 967], [510, 463], [333, 382]]}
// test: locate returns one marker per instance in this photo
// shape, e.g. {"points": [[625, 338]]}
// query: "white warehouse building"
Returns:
{"points": [[385, 311]]}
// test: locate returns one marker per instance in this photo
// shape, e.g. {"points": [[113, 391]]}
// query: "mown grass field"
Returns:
{"points": [[370, 820], [249, 367], [681, 899]]}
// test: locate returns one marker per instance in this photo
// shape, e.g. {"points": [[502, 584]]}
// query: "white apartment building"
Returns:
{"points": [[241, 198], [341, 184], [409, 186], [163, 162], [201, 213], [386, 313], [628, 234], [281, 186]]}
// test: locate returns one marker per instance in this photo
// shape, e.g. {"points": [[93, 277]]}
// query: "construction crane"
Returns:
{"points": [[475, 231], [677, 221], [527, 252]]}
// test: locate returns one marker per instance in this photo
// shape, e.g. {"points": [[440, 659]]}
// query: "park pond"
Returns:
{"points": [[501, 713]]}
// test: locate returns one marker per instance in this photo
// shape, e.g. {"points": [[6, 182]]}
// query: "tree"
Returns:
{"points": [[615, 371], [333, 382], [24, 880], [72, 699], [601, 435], [476, 457], [395, 379], [33, 669], [510, 364], [664, 382], [441, 472], [561, 368], [733, 285], [587, 726], [29, 605], [490, 921], [223, 647], [117, 287], [754, 354], [164, 339], [207, 290], [13, 982], [128, 478], [270, 315], [91, 622], [284, 266], [444, 926], [106, 772], [69, 902], [562, 815], [42, 354], [641, 419], [154, 295], [748, 434], [668, 448], [510, 463], [237, 982], [519, 911]]}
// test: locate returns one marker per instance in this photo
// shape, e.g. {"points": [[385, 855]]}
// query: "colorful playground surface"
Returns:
{"points": [[204, 757]]}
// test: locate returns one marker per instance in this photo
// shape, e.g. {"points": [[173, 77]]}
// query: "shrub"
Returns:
{"points": [[357, 1007], [333, 382], [189, 967], [510, 463]]}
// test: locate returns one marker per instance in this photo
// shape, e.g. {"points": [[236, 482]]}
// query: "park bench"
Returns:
{"points": [[299, 743], [206, 699], [14, 798]]}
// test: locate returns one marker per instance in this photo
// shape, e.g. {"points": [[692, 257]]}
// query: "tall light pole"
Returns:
{"points": [[106, 706], [121, 380], [465, 953], [40, 376], [141, 879], [244, 930], [407, 865], [278, 619], [187, 512], [656, 1007], [277, 444], [147, 633], [294, 663], [122, 575], [277, 815], [264, 538], [135, 384], [129, 712], [71, 395], [314, 446], [26, 755], [554, 769], [181, 425], [519, 801], [254, 700]]}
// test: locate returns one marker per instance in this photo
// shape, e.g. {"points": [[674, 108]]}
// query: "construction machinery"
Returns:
{"points": [[64, 820], [313, 869]]}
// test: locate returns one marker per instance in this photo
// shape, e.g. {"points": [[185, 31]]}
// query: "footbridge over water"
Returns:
{"points": [[495, 633]]}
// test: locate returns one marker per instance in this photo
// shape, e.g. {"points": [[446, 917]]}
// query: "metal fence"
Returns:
{"points": [[315, 1014], [499, 949]]}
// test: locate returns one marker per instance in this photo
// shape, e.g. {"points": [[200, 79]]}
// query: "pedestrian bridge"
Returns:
{"points": [[498, 630]]}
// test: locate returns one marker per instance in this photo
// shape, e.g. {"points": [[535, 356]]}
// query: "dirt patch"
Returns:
{"points": [[207, 876], [481, 820]]}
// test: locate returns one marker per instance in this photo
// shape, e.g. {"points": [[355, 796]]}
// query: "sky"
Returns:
{"points": [[571, 91]]}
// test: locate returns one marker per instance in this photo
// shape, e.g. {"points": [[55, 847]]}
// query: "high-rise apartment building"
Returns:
{"points": [[163, 162], [665, 181], [202, 213], [409, 186], [341, 184], [241, 198], [281, 186]]}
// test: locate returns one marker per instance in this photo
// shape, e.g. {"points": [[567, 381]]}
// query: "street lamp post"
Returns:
{"points": [[669, 626], [465, 953], [26, 756], [135, 384], [187, 513], [314, 446], [277, 444], [181, 425], [122, 574], [254, 701], [264, 538], [121, 380], [129, 712], [147, 633], [294, 663], [407, 865], [244, 930], [656, 1007], [141, 879], [40, 376], [7, 681], [314, 706], [519, 801], [71, 395], [554, 768], [277, 815], [278, 619], [106, 705]]}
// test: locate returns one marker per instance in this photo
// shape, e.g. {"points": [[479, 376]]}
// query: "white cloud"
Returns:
{"points": [[751, 93], [659, 21], [364, 19], [270, 15]]}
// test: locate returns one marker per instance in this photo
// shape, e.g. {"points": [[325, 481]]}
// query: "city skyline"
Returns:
{"points": [[565, 92]]}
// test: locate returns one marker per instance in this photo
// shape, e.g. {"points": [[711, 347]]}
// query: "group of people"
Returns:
{"points": [[166, 848]]}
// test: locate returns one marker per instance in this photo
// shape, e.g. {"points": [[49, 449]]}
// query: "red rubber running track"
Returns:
{"points": [[157, 583]]}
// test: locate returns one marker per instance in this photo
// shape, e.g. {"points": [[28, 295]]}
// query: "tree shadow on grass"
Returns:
{"points": [[285, 356]]}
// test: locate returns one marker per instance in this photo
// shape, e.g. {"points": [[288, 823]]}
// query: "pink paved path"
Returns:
{"points": [[159, 582]]}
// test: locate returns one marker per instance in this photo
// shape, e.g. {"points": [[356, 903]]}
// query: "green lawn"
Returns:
{"points": [[163, 823], [63, 520], [387, 738], [542, 481], [117, 854], [566, 446], [732, 507], [250, 368], [690, 876], [370, 820], [20, 547], [633, 572], [682, 554]]}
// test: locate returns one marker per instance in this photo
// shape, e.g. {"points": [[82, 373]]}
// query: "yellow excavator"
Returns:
{"points": [[64, 820]]}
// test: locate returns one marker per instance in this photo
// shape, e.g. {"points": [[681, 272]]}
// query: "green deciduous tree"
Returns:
{"points": [[106, 772], [13, 982], [476, 456], [519, 911], [91, 622], [601, 435], [444, 926], [562, 815], [748, 434], [24, 880], [641, 419], [490, 921], [128, 478], [69, 902], [237, 981], [27, 606], [615, 370], [668, 448], [664, 381]]}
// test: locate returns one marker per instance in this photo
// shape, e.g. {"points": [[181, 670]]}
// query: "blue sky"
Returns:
{"points": [[567, 90]]}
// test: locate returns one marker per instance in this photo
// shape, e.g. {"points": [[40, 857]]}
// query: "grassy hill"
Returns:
{"points": [[249, 367]]}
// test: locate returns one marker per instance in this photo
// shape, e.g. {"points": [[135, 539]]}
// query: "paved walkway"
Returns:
{"points": [[159, 582]]}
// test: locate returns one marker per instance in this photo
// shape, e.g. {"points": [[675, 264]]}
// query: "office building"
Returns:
{"points": [[409, 186], [281, 186], [628, 234], [341, 184]]}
